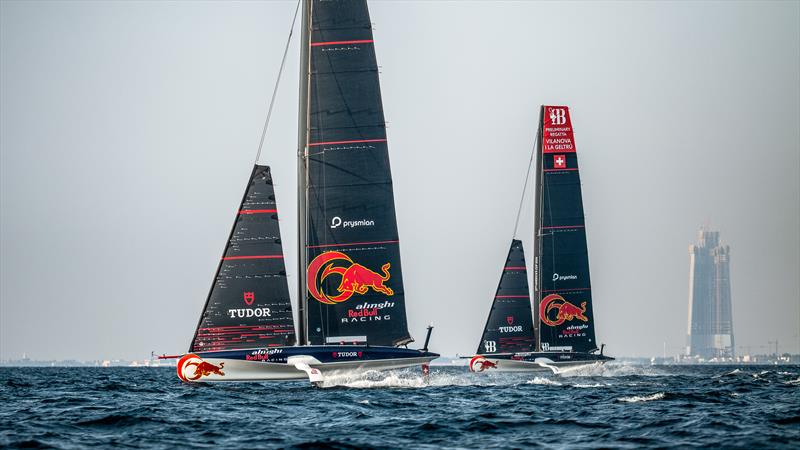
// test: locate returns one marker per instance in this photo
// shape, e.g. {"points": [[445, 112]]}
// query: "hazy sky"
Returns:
{"points": [[128, 130]]}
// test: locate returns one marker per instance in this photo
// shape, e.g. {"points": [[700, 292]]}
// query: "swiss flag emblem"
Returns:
{"points": [[559, 161]]}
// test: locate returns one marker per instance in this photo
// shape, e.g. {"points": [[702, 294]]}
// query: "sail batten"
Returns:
{"points": [[562, 292]]}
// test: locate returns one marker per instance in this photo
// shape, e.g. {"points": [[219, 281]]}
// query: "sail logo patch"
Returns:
{"points": [[242, 313], [557, 277], [557, 136], [564, 311], [546, 347], [355, 278], [558, 116], [559, 162], [337, 222], [249, 298], [368, 312], [191, 368], [510, 320]]}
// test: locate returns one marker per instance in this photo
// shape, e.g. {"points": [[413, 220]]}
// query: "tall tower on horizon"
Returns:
{"points": [[710, 332]]}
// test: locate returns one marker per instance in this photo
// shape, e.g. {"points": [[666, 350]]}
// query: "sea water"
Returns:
{"points": [[614, 405]]}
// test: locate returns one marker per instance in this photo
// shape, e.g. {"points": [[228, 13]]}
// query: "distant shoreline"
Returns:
{"points": [[445, 361]]}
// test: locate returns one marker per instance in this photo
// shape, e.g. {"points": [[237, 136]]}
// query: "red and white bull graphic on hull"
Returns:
{"points": [[557, 136], [355, 278], [192, 368], [480, 363]]}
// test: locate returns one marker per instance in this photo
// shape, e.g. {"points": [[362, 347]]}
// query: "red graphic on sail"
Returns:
{"points": [[510, 320], [355, 278], [249, 298], [564, 311], [559, 162], [557, 136]]}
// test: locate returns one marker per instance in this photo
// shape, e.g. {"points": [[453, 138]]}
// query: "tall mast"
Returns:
{"points": [[302, 174], [537, 231]]}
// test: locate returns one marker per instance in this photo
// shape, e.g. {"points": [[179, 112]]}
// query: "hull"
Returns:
{"points": [[295, 363], [542, 362]]}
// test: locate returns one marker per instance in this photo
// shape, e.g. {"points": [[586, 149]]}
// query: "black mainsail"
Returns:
{"points": [[248, 305], [353, 279], [509, 328], [562, 290]]}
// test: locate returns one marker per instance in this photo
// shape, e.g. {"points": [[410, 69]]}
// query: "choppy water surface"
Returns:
{"points": [[611, 406]]}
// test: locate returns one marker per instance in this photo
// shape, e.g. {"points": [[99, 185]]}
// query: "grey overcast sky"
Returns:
{"points": [[127, 131]]}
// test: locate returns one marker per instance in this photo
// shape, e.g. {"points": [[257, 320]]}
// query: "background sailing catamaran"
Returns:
{"points": [[352, 305], [562, 294]]}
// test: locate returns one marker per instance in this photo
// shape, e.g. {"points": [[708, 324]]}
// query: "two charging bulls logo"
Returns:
{"points": [[355, 278], [565, 311], [479, 364], [191, 368]]}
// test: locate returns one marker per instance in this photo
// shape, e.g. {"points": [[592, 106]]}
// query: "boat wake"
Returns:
{"points": [[544, 381], [587, 386], [613, 370], [642, 398], [404, 378]]}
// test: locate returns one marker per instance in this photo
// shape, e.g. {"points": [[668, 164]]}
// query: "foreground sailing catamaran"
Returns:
{"points": [[564, 323], [352, 305]]}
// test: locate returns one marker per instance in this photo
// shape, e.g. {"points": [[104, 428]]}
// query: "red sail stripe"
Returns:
{"points": [[559, 170], [511, 296], [315, 144], [228, 258], [352, 244], [246, 327], [256, 328], [567, 290], [514, 268], [257, 211], [360, 41], [241, 332]]}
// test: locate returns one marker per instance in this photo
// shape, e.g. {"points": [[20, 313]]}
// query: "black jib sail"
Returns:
{"points": [[354, 284], [509, 328], [249, 305], [562, 290]]}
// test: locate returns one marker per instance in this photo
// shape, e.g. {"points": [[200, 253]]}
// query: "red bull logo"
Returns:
{"points": [[479, 364], [191, 368], [355, 278], [564, 310]]}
